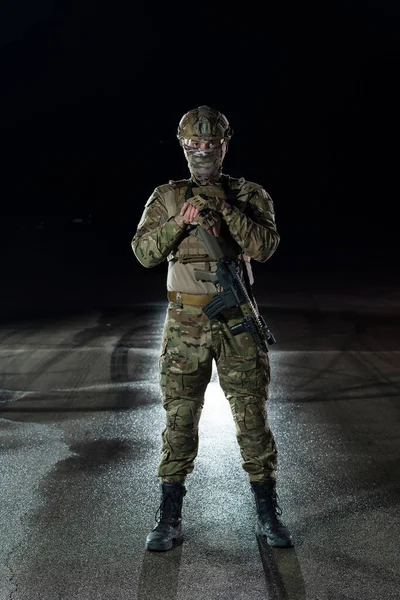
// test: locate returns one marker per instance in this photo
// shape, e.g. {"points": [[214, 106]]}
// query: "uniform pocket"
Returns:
{"points": [[254, 416], [244, 377], [181, 365], [248, 377], [178, 374]]}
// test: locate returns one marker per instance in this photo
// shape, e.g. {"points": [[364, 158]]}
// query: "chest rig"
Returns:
{"points": [[190, 249]]}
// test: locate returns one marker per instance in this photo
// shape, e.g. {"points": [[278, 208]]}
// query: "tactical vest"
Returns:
{"points": [[191, 250]]}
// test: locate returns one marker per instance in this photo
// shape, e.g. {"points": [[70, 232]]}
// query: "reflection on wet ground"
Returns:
{"points": [[80, 438]]}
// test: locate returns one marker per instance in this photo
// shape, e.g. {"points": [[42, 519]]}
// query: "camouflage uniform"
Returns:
{"points": [[191, 341]]}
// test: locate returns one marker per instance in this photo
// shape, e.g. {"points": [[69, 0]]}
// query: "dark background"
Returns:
{"points": [[91, 95]]}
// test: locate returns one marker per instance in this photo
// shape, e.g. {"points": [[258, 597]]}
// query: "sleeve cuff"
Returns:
{"points": [[172, 227]]}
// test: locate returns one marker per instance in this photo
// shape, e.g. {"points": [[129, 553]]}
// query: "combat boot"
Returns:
{"points": [[269, 524], [168, 531]]}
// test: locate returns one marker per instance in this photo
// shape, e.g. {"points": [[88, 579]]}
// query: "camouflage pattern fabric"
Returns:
{"points": [[190, 342], [205, 165], [248, 229], [204, 123]]}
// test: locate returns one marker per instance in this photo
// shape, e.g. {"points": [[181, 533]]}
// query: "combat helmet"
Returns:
{"points": [[204, 123]]}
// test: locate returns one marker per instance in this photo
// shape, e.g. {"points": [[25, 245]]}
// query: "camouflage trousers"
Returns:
{"points": [[190, 343]]}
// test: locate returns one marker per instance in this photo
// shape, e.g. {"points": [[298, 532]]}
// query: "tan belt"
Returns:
{"points": [[192, 299]]}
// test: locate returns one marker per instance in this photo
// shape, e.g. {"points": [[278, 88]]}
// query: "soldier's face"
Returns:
{"points": [[205, 158]]}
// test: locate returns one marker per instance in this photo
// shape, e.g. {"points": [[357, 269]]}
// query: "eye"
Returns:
{"points": [[191, 144], [214, 143]]}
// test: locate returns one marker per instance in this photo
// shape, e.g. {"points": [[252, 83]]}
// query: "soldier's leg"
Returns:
{"points": [[185, 371], [244, 376]]}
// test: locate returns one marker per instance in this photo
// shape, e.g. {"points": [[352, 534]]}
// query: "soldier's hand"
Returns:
{"points": [[218, 205], [189, 212], [206, 218], [206, 215], [211, 221]]}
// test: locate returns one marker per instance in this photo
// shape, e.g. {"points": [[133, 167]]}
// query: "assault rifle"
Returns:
{"points": [[234, 293]]}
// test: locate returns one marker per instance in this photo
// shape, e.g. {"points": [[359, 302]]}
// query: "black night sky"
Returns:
{"points": [[91, 95]]}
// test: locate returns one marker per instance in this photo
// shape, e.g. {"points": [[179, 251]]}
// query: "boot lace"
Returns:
{"points": [[275, 503], [269, 502], [173, 507]]}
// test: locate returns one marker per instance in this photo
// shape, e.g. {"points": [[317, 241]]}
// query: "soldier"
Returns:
{"points": [[241, 215]]}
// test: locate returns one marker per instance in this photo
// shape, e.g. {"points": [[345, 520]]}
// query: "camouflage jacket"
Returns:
{"points": [[249, 232]]}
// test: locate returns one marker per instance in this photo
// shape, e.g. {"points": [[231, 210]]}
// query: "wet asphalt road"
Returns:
{"points": [[80, 431]]}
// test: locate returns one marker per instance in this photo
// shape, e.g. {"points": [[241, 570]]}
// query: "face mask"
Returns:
{"points": [[205, 165]]}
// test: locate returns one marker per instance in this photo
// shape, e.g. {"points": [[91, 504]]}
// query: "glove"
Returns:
{"points": [[218, 205], [209, 220], [207, 217]]}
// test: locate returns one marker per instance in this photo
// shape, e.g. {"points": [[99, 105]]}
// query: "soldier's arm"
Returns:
{"points": [[156, 235], [255, 230]]}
